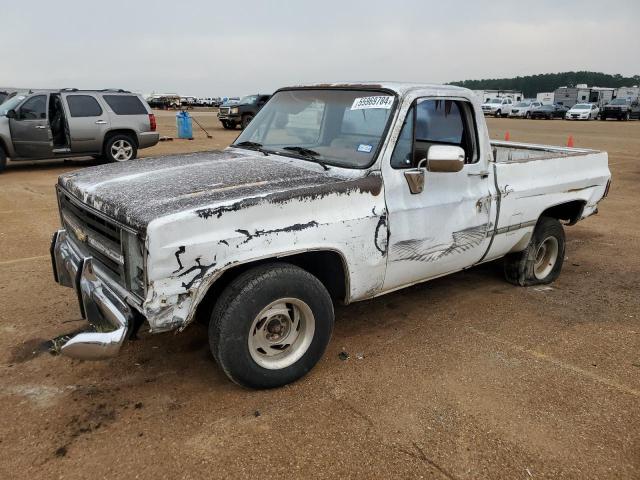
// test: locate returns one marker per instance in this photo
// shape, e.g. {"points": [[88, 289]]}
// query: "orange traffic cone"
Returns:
{"points": [[570, 141], [507, 136]]}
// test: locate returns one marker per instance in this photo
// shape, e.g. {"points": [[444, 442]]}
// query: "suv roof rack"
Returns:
{"points": [[116, 90]]}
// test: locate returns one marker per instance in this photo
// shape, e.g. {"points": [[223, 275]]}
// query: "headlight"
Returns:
{"points": [[134, 263], [234, 110]]}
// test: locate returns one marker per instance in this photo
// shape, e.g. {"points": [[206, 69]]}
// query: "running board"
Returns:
{"points": [[61, 150]]}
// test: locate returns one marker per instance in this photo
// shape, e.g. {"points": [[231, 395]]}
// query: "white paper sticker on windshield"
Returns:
{"points": [[362, 103]]}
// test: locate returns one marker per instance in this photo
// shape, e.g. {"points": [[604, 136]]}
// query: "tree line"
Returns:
{"points": [[547, 82]]}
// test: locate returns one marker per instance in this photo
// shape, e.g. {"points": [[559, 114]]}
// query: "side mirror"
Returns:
{"points": [[12, 114], [445, 158]]}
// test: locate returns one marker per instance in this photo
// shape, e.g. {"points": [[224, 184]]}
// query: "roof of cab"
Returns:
{"points": [[400, 88]]}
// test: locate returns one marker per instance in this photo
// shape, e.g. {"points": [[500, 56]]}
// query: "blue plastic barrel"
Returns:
{"points": [[183, 122]]}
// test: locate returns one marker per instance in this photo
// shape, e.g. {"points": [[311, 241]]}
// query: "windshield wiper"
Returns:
{"points": [[253, 146], [307, 153]]}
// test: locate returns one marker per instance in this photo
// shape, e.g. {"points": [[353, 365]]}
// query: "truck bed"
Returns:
{"points": [[531, 178], [508, 152]]}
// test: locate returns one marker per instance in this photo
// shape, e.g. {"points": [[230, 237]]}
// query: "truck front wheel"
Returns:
{"points": [[271, 325], [246, 120], [541, 261]]}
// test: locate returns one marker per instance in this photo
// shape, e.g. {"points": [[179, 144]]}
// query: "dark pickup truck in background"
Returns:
{"points": [[621, 109], [241, 113]]}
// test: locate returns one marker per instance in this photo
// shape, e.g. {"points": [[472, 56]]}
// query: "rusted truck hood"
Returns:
{"points": [[137, 192]]}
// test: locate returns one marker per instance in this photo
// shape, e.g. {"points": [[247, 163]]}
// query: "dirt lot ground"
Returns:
{"points": [[463, 377]]}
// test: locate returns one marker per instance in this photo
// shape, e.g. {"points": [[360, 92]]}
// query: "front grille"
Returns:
{"points": [[101, 237], [225, 110]]}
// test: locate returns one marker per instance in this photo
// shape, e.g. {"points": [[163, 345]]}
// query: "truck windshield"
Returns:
{"points": [[334, 127], [495, 100], [10, 104], [249, 100], [582, 106], [619, 101]]}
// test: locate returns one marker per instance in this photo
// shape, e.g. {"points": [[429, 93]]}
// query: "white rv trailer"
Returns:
{"points": [[486, 95], [546, 98]]}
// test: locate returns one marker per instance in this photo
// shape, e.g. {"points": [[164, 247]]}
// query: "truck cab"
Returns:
{"points": [[232, 113]]}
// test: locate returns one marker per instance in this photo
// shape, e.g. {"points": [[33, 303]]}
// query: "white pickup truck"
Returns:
{"points": [[333, 193]]}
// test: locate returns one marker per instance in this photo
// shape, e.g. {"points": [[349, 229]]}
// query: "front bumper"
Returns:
{"points": [[230, 117], [100, 304]]}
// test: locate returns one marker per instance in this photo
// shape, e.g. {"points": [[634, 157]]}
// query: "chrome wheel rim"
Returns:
{"points": [[121, 150], [281, 333], [546, 257]]}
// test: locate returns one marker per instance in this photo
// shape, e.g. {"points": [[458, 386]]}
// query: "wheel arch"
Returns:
{"points": [[120, 131], [327, 265], [569, 212]]}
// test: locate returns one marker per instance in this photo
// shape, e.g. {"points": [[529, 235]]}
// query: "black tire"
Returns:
{"points": [[498, 114], [239, 307], [246, 120], [3, 159], [126, 141], [522, 268], [627, 117], [527, 115]]}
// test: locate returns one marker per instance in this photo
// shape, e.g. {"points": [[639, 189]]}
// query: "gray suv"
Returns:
{"points": [[112, 124]]}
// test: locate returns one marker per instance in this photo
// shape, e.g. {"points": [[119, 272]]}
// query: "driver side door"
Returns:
{"points": [[445, 226], [30, 132]]}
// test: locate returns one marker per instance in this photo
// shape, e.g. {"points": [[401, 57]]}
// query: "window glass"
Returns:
{"points": [[326, 125], [125, 104], [83, 106], [34, 108], [439, 121], [401, 157], [290, 128], [364, 122]]}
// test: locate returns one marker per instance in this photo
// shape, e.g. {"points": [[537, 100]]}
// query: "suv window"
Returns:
{"points": [[34, 109], [83, 106], [438, 122], [125, 104]]}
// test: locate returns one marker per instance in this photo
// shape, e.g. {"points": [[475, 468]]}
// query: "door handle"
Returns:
{"points": [[484, 174], [101, 122], [40, 127]]}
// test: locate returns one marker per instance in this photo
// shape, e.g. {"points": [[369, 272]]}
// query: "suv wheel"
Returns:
{"points": [[120, 148], [246, 120], [3, 159], [271, 325], [542, 260]]}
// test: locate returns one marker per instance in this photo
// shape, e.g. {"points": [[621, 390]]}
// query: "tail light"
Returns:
{"points": [[152, 122]]}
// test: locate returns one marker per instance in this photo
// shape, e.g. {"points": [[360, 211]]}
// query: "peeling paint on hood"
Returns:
{"points": [[137, 192]]}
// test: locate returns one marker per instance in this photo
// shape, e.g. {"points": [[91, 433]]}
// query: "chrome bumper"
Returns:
{"points": [[105, 310]]}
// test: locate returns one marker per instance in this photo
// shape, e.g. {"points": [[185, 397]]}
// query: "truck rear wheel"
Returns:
{"points": [[541, 262], [3, 159], [271, 325]]}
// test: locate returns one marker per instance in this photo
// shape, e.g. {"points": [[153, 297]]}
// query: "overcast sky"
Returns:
{"points": [[211, 48]]}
